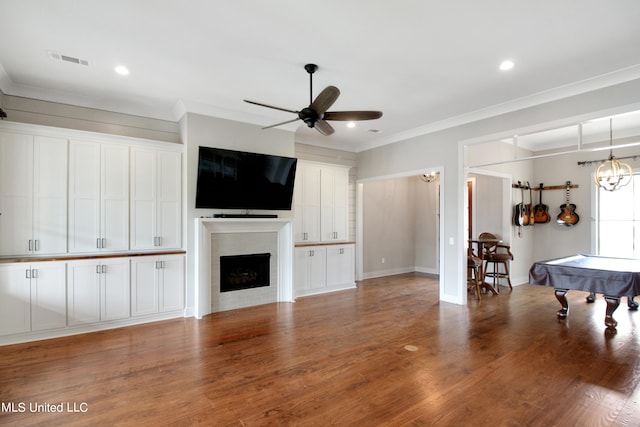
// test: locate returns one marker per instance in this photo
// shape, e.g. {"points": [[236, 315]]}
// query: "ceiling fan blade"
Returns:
{"points": [[349, 116], [270, 106], [325, 100], [324, 128], [279, 124]]}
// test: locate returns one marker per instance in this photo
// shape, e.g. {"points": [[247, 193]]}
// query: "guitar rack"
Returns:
{"points": [[549, 187]]}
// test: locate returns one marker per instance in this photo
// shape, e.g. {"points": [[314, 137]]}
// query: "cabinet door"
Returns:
{"points": [[171, 283], [169, 205], [115, 289], [16, 193], [114, 202], [144, 285], [334, 185], [156, 199], [15, 299], [84, 196], [83, 292], [340, 265], [307, 204], [48, 295], [143, 198], [317, 268], [301, 269], [50, 195]]}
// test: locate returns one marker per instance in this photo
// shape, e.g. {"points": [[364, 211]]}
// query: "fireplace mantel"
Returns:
{"points": [[207, 228]]}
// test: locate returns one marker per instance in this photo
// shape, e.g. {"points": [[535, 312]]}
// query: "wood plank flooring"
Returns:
{"points": [[387, 353]]}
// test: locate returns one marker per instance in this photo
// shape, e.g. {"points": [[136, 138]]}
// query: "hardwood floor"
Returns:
{"points": [[387, 353]]}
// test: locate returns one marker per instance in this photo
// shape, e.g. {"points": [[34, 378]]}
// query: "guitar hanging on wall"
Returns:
{"points": [[520, 217], [532, 219], [541, 214], [568, 215]]}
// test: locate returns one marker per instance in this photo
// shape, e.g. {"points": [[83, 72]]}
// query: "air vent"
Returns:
{"points": [[67, 58]]}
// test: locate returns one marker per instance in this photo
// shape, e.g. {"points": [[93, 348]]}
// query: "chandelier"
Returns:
{"points": [[612, 173]]}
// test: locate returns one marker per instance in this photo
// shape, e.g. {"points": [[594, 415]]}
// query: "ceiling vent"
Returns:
{"points": [[66, 58]]}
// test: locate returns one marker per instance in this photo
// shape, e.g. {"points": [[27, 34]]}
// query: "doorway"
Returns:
{"points": [[399, 225]]}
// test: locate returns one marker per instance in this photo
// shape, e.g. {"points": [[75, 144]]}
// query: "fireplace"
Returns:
{"points": [[218, 237], [239, 272]]}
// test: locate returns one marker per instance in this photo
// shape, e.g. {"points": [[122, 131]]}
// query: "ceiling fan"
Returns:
{"points": [[316, 114]]}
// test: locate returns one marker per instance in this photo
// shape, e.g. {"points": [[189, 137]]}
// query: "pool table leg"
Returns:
{"points": [[561, 296], [612, 304], [633, 305]]}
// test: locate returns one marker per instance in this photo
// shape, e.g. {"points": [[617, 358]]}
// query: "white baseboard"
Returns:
{"points": [[389, 272], [83, 329]]}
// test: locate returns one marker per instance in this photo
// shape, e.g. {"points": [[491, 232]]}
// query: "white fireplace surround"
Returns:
{"points": [[206, 230]]}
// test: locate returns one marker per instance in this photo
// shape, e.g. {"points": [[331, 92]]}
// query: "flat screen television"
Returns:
{"points": [[229, 179]]}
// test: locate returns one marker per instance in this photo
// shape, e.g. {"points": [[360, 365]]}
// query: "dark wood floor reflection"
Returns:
{"points": [[387, 353]]}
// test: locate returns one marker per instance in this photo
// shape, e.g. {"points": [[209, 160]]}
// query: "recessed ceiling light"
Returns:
{"points": [[122, 70], [506, 65], [351, 124]]}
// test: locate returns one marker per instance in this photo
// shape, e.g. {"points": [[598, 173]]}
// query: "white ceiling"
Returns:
{"points": [[425, 64]]}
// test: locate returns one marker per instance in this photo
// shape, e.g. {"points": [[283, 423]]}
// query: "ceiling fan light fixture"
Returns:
{"points": [[316, 114], [612, 174]]}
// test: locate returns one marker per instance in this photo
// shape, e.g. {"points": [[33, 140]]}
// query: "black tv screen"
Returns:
{"points": [[229, 179]]}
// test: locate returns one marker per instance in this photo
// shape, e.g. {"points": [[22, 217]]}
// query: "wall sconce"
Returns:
{"points": [[612, 173], [429, 177]]}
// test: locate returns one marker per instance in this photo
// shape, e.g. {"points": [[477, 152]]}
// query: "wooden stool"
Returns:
{"points": [[497, 254], [474, 265]]}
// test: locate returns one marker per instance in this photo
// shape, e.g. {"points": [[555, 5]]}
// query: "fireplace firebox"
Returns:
{"points": [[239, 272]]}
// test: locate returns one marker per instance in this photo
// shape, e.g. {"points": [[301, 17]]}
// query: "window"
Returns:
{"points": [[619, 221]]}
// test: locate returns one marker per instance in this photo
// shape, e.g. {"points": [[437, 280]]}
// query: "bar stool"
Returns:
{"points": [[497, 255]]}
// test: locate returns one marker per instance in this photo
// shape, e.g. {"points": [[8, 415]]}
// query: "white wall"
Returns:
{"points": [[198, 130]]}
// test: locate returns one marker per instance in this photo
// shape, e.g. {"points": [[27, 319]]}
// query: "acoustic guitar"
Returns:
{"points": [[519, 214], [541, 211], [568, 215], [529, 207]]}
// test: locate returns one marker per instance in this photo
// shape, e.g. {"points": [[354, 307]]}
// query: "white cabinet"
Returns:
{"points": [[98, 290], [340, 265], [157, 284], [83, 297], [321, 204], [334, 190], [98, 197], [33, 297], [33, 194], [306, 196], [156, 188], [324, 268], [310, 269]]}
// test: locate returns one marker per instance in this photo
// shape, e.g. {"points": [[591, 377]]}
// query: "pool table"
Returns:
{"points": [[612, 277]]}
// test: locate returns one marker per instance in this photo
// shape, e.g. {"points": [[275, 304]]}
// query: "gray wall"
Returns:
{"points": [[33, 111], [445, 148], [400, 226]]}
